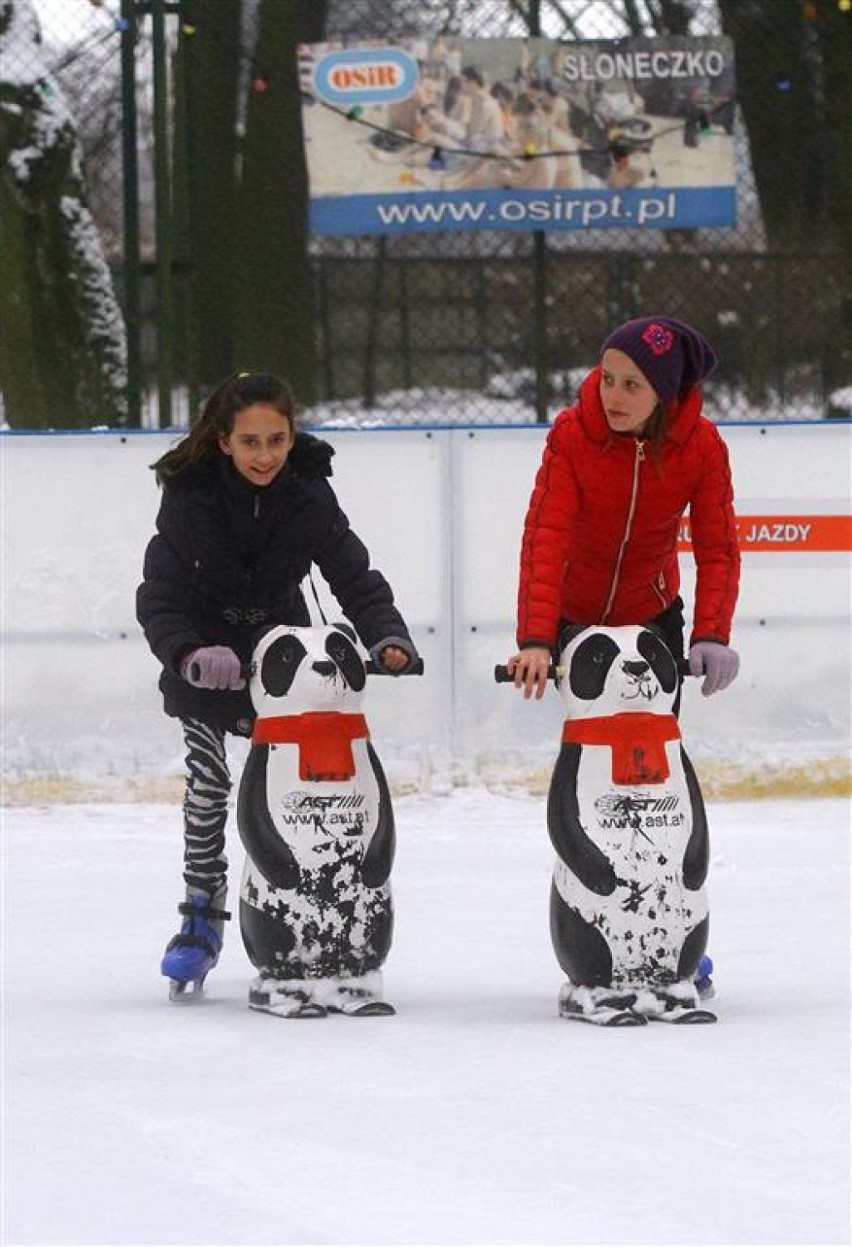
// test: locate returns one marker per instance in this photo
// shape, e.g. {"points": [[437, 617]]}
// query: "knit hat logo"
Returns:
{"points": [[659, 339]]}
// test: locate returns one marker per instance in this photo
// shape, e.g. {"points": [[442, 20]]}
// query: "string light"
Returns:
{"points": [[783, 81], [845, 6], [532, 151], [260, 84]]}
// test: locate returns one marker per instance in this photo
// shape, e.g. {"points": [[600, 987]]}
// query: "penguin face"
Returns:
{"points": [[296, 670], [616, 670]]}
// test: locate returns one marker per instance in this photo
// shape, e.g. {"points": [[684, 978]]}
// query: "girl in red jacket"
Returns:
{"points": [[619, 470]]}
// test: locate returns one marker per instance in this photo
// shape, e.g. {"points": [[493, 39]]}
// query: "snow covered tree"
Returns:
{"points": [[63, 349]]}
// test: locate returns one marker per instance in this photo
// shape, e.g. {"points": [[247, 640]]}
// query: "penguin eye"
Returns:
{"points": [[658, 656], [341, 650], [590, 665], [280, 664]]}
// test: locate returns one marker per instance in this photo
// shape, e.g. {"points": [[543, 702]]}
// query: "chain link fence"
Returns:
{"points": [[439, 327]]}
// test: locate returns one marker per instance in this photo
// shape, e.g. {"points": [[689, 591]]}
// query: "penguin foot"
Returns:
{"points": [[284, 998], [601, 1006], [353, 996], [677, 1003]]}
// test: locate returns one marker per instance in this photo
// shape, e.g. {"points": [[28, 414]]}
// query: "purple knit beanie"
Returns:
{"points": [[672, 356]]}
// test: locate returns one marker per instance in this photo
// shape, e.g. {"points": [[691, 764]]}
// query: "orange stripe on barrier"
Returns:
{"points": [[801, 533]]}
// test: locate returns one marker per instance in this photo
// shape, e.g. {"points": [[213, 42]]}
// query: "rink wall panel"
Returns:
{"points": [[441, 511]]}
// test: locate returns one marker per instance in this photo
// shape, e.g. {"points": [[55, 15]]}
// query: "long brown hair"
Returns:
{"points": [[216, 419], [655, 429]]}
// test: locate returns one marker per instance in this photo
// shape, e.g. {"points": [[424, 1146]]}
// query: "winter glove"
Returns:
{"points": [[212, 666], [718, 664], [390, 662]]}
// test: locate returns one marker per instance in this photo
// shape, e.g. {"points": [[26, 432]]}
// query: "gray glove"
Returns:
{"points": [[397, 642], [212, 666], [718, 664]]}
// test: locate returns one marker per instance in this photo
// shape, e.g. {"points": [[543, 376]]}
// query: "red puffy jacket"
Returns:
{"points": [[600, 536]]}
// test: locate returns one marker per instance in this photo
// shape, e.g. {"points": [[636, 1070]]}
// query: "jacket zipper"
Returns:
{"points": [[637, 463]]}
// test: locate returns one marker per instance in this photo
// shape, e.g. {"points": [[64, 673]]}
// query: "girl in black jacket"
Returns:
{"points": [[247, 509]]}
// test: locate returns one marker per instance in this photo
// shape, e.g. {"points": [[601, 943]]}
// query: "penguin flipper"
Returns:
{"points": [[580, 854], [378, 859], [261, 838]]}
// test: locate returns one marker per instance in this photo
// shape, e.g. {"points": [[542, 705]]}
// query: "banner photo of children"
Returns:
{"points": [[473, 134]]}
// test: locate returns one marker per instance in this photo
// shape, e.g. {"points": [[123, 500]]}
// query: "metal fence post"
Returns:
{"points": [[540, 361], [163, 212], [130, 191]]}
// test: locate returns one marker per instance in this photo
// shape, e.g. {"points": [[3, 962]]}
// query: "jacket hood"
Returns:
{"points": [[311, 456]]}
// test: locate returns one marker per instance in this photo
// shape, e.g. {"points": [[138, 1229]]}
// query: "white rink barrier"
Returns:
{"points": [[441, 511]]}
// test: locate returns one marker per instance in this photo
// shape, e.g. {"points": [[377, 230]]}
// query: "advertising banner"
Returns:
{"points": [[519, 134]]}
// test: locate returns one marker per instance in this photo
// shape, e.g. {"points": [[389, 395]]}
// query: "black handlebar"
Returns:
{"points": [[247, 669], [502, 676]]}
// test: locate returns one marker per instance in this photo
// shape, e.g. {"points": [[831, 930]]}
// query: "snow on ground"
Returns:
{"points": [[475, 1115]]}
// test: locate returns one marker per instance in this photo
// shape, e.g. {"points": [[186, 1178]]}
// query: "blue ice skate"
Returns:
{"points": [[191, 954], [703, 981]]}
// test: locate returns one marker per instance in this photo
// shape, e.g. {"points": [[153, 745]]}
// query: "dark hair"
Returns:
{"points": [[216, 419], [654, 434], [656, 425], [452, 90]]}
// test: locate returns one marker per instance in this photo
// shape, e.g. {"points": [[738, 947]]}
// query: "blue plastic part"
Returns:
{"points": [[703, 981], [190, 955]]}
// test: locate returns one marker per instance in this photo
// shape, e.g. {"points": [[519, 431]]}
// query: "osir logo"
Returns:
{"points": [[365, 76]]}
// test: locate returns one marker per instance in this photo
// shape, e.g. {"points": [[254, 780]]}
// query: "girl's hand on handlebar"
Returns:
{"points": [[529, 670]]}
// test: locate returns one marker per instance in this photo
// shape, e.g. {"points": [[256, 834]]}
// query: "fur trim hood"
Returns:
{"points": [[311, 456]]}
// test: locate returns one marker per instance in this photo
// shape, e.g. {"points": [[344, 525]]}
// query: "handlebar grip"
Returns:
{"points": [[502, 676]]}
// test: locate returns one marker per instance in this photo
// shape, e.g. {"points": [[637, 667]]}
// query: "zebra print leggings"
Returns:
{"points": [[205, 806]]}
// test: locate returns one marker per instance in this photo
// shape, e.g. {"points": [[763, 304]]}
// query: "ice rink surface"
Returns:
{"points": [[476, 1115]]}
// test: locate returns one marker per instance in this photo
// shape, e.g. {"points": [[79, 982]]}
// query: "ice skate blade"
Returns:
{"points": [[184, 992]]}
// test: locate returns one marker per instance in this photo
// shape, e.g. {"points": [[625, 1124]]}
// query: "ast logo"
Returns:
{"points": [[365, 76]]}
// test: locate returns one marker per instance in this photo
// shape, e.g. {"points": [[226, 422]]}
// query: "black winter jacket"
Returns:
{"points": [[228, 560]]}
